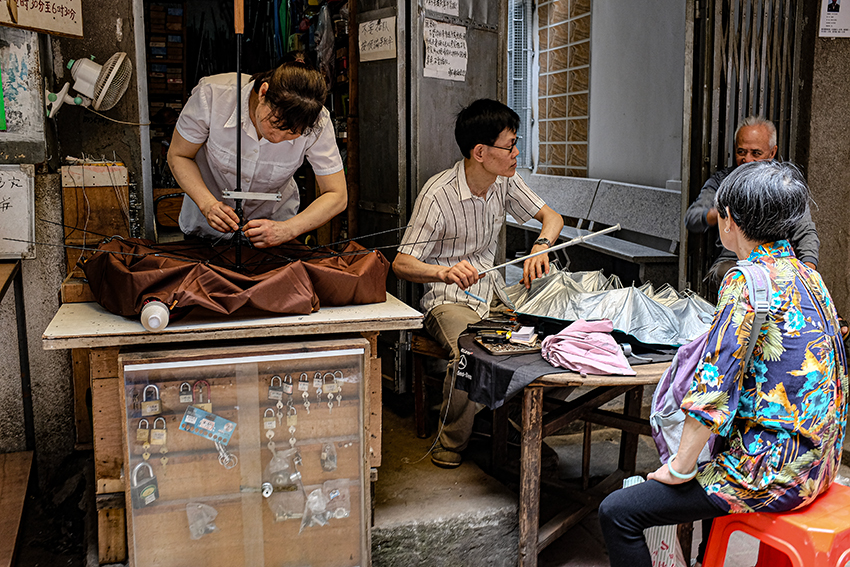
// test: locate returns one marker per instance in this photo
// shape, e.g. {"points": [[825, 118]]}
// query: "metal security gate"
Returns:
{"points": [[746, 60]]}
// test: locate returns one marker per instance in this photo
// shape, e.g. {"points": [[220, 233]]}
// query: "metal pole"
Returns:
{"points": [[239, 24], [572, 242]]}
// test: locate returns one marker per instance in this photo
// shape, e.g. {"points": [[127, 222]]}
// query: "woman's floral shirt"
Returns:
{"points": [[784, 416]]}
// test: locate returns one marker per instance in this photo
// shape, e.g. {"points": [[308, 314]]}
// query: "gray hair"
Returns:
{"points": [[751, 121], [765, 198]]}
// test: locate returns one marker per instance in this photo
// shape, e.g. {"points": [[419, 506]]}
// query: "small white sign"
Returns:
{"points": [[451, 7], [445, 51], [834, 18], [17, 211], [377, 39], [60, 17]]}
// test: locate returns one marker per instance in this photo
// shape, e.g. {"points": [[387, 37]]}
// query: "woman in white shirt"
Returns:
{"points": [[283, 121]]}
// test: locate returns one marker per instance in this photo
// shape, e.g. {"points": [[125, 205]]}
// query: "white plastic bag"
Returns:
{"points": [[662, 542]]}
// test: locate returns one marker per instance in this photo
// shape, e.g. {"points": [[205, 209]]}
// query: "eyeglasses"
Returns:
{"points": [[511, 149]]}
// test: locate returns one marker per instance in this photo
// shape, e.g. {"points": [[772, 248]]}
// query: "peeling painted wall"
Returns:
{"points": [[23, 141]]}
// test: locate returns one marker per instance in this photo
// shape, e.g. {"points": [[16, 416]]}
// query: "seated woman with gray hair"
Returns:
{"points": [[782, 414]]}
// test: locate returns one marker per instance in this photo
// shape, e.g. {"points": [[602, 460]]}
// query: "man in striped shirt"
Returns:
{"points": [[453, 234]]}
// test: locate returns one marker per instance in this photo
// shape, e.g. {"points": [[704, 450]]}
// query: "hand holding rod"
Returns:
{"points": [[572, 242]]}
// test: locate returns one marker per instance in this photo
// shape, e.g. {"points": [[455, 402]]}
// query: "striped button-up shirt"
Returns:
{"points": [[450, 224]]}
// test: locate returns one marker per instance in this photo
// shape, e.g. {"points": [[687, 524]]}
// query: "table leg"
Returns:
{"points": [[529, 486], [629, 441], [499, 447]]}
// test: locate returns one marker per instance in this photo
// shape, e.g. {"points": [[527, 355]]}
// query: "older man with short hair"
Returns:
{"points": [[755, 140]]}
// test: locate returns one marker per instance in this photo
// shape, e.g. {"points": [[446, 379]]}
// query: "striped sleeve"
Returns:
{"points": [[424, 229], [520, 201]]}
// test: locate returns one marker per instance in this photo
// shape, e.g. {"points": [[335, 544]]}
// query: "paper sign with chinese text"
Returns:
{"points": [[445, 51], [377, 39], [17, 211], [59, 17]]}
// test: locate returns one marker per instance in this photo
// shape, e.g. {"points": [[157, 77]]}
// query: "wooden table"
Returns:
{"points": [[101, 336], [535, 426]]}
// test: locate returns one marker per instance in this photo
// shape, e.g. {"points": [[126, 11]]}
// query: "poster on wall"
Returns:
{"points": [[450, 7], [445, 51], [834, 18], [377, 39], [17, 212], [58, 17]]}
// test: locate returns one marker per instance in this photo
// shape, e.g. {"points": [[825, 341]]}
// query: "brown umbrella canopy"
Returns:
{"points": [[289, 279]]}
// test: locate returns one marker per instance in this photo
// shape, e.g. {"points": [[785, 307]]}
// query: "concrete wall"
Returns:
{"points": [[829, 163], [50, 371], [636, 80]]}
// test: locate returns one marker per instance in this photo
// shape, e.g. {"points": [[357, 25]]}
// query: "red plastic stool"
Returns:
{"points": [[815, 536]]}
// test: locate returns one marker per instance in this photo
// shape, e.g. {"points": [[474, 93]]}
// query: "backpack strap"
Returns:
{"points": [[758, 284]]}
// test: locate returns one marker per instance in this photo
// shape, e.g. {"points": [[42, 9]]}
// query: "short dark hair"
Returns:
{"points": [[765, 198], [481, 123], [296, 95]]}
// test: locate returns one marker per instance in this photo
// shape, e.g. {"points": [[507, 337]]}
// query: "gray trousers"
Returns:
{"points": [[445, 323]]}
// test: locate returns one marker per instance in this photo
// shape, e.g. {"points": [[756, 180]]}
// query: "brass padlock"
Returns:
{"points": [[201, 404], [154, 406], [269, 420], [143, 433], [146, 492], [158, 435], [276, 390], [185, 393]]}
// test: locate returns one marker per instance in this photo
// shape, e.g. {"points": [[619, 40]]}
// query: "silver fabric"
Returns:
{"points": [[659, 317]]}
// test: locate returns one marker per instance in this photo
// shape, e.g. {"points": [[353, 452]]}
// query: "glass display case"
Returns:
{"points": [[247, 456]]}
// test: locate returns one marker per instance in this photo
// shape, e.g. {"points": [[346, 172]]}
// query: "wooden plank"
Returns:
{"points": [[529, 487], [87, 325], [372, 337], [375, 417], [104, 363], [75, 290], [106, 417], [14, 477], [111, 536], [645, 374], [8, 270], [82, 386], [422, 344]]}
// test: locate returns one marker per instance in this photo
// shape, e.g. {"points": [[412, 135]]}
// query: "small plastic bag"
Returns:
{"points": [[328, 457], [339, 498], [315, 510], [201, 519]]}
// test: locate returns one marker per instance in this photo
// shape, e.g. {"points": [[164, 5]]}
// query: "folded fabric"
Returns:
{"points": [[587, 347]]}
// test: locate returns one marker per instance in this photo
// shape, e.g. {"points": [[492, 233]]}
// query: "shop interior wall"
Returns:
{"points": [[828, 155], [636, 91]]}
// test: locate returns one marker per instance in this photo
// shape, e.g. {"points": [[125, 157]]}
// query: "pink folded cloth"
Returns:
{"points": [[587, 347]]}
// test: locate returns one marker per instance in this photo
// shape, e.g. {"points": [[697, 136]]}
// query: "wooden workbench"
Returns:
{"points": [[533, 538], [104, 335]]}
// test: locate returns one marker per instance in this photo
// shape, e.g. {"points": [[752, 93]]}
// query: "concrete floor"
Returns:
{"points": [[413, 492]]}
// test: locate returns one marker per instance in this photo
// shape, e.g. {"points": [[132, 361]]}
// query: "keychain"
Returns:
{"points": [[269, 424], [158, 437], [291, 421], [304, 388], [329, 389], [338, 382], [226, 459], [318, 383]]}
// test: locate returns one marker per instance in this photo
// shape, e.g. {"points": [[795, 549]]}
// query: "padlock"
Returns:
{"points": [[158, 435], [287, 385], [143, 433], [185, 393], [329, 387], [269, 420], [145, 493], [317, 380], [276, 390], [201, 404], [151, 407], [291, 417], [303, 383]]}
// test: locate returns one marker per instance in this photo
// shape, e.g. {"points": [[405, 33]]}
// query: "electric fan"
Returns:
{"points": [[99, 86]]}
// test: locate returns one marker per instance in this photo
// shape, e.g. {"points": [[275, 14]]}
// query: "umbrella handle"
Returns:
{"points": [[239, 16]]}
